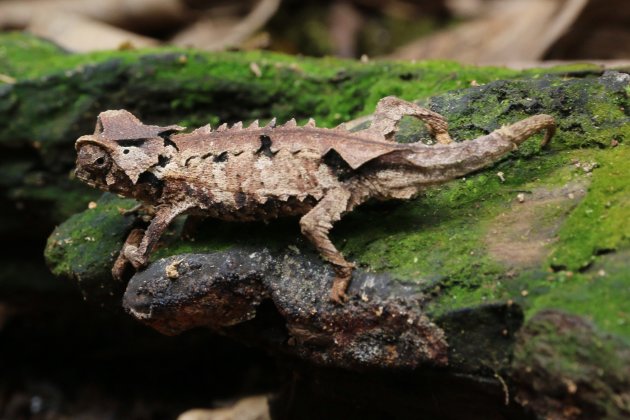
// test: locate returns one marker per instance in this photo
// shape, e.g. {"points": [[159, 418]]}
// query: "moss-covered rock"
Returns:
{"points": [[85, 246], [457, 245]]}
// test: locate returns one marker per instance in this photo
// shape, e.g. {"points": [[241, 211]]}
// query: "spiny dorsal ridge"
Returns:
{"points": [[253, 125], [271, 123], [290, 123], [203, 130], [310, 123], [238, 126], [222, 127]]}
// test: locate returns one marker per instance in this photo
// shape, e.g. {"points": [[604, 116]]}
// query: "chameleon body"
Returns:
{"points": [[261, 173]]}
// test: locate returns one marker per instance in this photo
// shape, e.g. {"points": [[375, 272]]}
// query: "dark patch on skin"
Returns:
{"points": [[240, 199], [131, 142], [163, 160], [243, 210], [166, 135], [274, 208], [265, 146], [150, 178], [222, 157], [99, 126], [150, 183], [188, 160], [340, 167], [121, 184], [188, 189]]}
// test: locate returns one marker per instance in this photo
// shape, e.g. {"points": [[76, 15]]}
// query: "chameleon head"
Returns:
{"points": [[96, 167], [121, 149]]}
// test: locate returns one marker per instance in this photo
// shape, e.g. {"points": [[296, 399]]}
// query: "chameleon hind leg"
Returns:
{"points": [[390, 110], [316, 225]]}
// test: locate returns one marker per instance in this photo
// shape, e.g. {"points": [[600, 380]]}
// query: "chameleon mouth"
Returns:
{"points": [[86, 178], [82, 175]]}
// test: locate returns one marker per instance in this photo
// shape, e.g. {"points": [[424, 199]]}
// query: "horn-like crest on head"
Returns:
{"points": [[134, 146]]}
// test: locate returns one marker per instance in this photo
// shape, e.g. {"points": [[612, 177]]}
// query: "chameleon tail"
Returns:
{"points": [[447, 161], [518, 132]]}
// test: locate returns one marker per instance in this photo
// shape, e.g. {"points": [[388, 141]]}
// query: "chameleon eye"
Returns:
{"points": [[93, 159], [101, 161]]}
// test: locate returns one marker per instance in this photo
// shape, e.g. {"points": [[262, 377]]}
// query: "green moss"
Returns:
{"points": [[600, 295], [439, 238], [589, 112], [19, 53], [600, 223], [438, 241], [594, 225], [63, 92], [84, 247]]}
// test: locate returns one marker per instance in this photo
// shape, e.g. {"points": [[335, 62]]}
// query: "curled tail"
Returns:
{"points": [[518, 132], [417, 165], [448, 161]]}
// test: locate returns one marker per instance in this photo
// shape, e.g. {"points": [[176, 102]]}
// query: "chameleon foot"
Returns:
{"points": [[137, 259], [340, 285], [122, 262]]}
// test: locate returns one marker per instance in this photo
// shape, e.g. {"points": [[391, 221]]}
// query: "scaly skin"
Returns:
{"points": [[261, 173]]}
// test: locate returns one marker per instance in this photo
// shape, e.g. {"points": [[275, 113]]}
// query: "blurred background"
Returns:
{"points": [[62, 358], [510, 32]]}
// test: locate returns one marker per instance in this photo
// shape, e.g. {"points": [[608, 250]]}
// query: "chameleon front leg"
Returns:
{"points": [[390, 110], [316, 225], [138, 254]]}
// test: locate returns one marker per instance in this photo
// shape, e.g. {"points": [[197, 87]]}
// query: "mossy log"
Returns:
{"points": [[528, 294]]}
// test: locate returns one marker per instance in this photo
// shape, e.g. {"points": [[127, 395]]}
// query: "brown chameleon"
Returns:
{"points": [[261, 173]]}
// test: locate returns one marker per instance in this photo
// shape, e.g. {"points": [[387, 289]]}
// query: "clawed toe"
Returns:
{"points": [[340, 284], [134, 256], [338, 296], [129, 255]]}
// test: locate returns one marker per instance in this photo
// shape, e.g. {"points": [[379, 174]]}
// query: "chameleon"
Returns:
{"points": [[259, 173]]}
